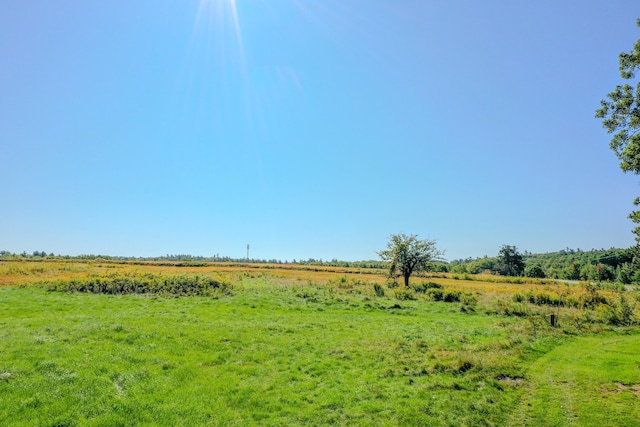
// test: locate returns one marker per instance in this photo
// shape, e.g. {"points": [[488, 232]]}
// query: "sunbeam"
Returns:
{"points": [[215, 16], [236, 24]]}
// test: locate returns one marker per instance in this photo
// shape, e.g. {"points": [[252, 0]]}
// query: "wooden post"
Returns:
{"points": [[553, 320]]}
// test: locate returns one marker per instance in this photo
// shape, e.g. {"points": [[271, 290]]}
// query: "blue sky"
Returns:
{"points": [[309, 128]]}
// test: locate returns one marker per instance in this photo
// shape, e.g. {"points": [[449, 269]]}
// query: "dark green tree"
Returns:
{"points": [[534, 271], [407, 254], [620, 114], [509, 261]]}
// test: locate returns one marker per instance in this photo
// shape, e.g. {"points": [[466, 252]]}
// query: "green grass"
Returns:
{"points": [[269, 355], [591, 381]]}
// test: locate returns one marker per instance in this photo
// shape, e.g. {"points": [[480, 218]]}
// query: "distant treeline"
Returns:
{"points": [[168, 258], [569, 264], [185, 258]]}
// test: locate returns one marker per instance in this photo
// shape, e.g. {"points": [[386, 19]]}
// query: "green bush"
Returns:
{"points": [[435, 294], [405, 294], [424, 286], [117, 284], [543, 299], [451, 296], [592, 298], [379, 290], [621, 313], [519, 298]]}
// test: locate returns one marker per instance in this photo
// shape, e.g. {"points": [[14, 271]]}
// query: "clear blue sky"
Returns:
{"points": [[309, 128]]}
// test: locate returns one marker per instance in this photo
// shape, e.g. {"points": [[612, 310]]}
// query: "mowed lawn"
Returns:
{"points": [[590, 381], [272, 354]]}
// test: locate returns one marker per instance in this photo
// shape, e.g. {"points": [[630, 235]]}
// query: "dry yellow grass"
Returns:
{"points": [[25, 272]]}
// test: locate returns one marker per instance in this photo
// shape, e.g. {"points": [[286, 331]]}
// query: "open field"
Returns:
{"points": [[294, 345]]}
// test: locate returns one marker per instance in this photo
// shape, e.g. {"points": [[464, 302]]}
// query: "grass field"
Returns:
{"points": [[589, 381], [305, 346]]}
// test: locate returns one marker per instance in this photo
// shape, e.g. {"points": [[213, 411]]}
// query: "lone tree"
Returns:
{"points": [[620, 115], [509, 261], [407, 255]]}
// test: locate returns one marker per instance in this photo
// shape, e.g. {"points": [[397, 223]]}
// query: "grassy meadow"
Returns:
{"points": [[87, 344]]}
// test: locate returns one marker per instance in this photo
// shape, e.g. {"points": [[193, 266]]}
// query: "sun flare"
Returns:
{"points": [[218, 19]]}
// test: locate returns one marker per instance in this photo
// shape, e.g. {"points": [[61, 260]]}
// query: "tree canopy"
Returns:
{"points": [[620, 114], [407, 254], [509, 261]]}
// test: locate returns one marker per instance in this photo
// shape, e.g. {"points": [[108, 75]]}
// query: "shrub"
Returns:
{"points": [[469, 302], [116, 284], [435, 294], [452, 296], [405, 294], [592, 298], [621, 313], [572, 301], [538, 298], [543, 299], [379, 290], [519, 298], [582, 318], [424, 286]]}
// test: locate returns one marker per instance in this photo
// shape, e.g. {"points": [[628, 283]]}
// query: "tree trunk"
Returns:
{"points": [[406, 280]]}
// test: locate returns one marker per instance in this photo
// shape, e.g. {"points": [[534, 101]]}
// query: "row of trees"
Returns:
{"points": [[39, 254], [594, 265], [407, 255], [186, 258]]}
